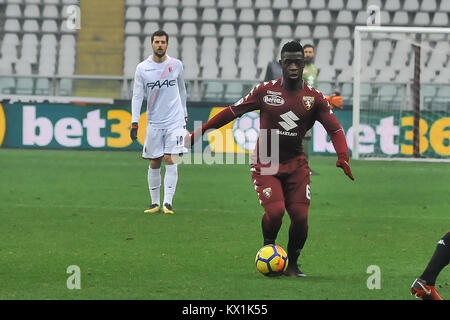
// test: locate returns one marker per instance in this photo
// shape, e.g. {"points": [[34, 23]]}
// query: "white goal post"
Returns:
{"points": [[378, 32]]}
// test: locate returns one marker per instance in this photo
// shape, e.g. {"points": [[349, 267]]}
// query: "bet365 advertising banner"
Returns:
{"points": [[106, 127]]}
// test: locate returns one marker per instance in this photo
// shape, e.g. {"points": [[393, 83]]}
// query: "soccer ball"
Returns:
{"points": [[246, 130], [271, 260]]}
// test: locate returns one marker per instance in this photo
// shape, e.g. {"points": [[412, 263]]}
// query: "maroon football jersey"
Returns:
{"points": [[285, 117]]}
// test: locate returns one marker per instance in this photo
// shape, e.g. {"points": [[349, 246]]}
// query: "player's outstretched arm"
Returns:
{"points": [[340, 145], [219, 120]]}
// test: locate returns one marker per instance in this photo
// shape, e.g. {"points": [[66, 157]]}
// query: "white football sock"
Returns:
{"points": [[154, 184], [170, 182]]}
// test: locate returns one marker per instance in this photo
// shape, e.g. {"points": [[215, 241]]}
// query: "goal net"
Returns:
{"points": [[401, 93]]}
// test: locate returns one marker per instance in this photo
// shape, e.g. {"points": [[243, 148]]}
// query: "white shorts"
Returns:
{"points": [[159, 142]]}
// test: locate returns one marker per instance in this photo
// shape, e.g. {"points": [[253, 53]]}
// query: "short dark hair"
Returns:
{"points": [[308, 46], [292, 46], [160, 33]]}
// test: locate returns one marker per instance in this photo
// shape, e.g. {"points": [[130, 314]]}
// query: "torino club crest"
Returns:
{"points": [[308, 102]]}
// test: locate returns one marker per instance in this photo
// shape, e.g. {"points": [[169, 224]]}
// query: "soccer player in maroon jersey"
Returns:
{"points": [[280, 173], [424, 287]]}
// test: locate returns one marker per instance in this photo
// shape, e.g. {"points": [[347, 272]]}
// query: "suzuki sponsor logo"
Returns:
{"points": [[289, 121]]}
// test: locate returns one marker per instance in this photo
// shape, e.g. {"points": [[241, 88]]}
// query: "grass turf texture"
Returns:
{"points": [[62, 208]]}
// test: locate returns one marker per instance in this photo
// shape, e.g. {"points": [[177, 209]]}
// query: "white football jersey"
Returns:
{"points": [[166, 93]]}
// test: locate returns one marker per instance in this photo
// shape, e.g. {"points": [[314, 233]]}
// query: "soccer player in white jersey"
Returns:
{"points": [[161, 78]]}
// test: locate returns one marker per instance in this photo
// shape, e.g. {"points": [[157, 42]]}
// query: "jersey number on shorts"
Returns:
{"points": [[308, 192]]}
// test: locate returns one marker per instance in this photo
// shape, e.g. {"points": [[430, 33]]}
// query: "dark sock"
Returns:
{"points": [[438, 261]]}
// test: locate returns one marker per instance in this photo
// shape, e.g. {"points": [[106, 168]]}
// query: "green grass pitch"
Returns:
{"points": [[85, 208]]}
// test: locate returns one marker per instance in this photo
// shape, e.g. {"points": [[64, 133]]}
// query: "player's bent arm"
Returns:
{"points": [[219, 120], [340, 145]]}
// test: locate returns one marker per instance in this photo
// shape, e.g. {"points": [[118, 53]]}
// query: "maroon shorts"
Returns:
{"points": [[291, 184]]}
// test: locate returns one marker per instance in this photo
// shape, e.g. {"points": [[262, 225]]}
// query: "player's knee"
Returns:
{"points": [[298, 212], [275, 209]]}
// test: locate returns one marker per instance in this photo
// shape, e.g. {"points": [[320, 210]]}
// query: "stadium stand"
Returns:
{"points": [[216, 39]]}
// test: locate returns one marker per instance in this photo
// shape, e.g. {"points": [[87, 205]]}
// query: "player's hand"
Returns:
{"points": [[343, 163], [192, 137], [133, 131], [335, 100]]}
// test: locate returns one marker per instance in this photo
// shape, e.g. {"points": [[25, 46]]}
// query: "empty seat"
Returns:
{"points": [[361, 18], [265, 15], [336, 5], [429, 5], [210, 14], [170, 27], [400, 18], [207, 3], [244, 4], [229, 72], [133, 2], [225, 3], [354, 5], [344, 17], [210, 71], [31, 11], [208, 29], [151, 27], [245, 30], [392, 5], [23, 67], [411, 5], [317, 4], [210, 43], [13, 11], [31, 26], [247, 15], [323, 16], [445, 6], [299, 4], [50, 12], [283, 31], [342, 32], [422, 19], [188, 29], [228, 14], [263, 31], [170, 13], [304, 16], [440, 19], [189, 14], [302, 31], [151, 13], [262, 4], [131, 27], [12, 25], [49, 26], [280, 4], [321, 32], [188, 3], [133, 13], [226, 30], [248, 72], [326, 74], [286, 15], [248, 43]]}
